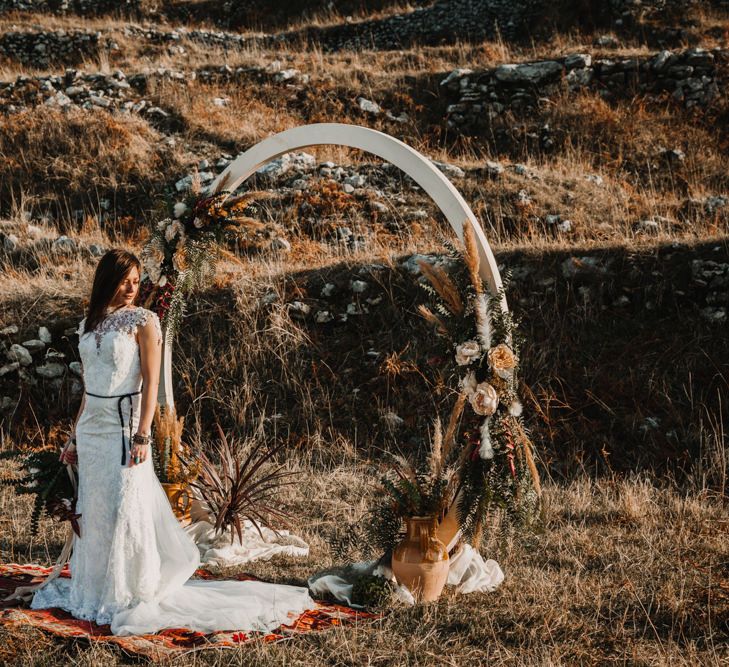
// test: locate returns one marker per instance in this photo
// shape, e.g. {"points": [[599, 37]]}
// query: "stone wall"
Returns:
{"points": [[692, 77], [42, 48], [443, 21], [84, 7]]}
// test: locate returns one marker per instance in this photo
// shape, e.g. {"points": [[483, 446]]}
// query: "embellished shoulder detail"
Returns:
{"points": [[146, 316], [122, 321]]}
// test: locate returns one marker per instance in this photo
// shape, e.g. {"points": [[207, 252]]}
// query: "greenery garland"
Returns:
{"points": [[183, 248]]}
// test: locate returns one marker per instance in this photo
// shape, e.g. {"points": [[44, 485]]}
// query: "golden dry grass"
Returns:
{"points": [[627, 568]]}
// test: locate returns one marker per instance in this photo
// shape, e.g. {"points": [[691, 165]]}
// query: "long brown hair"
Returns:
{"points": [[113, 267]]}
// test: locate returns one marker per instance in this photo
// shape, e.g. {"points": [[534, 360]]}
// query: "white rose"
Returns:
{"points": [[179, 209], [198, 223], [484, 400], [467, 352]]}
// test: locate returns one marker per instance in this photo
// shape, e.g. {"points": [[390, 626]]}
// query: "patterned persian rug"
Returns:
{"points": [[167, 643]]}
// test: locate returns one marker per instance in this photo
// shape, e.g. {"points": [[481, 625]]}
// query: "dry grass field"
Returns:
{"points": [[625, 377]]}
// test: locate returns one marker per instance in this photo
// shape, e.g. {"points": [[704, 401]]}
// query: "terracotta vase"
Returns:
{"points": [[449, 528], [180, 499], [420, 561]]}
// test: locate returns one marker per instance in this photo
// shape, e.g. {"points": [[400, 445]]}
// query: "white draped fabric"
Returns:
{"points": [[132, 564], [218, 551], [468, 572]]}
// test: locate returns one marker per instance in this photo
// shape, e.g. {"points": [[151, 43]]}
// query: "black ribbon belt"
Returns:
{"points": [[121, 397]]}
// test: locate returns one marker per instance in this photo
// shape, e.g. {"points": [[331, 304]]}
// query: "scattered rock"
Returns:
{"points": [[647, 226], [51, 370], [9, 368], [449, 169], [299, 309], [369, 106], [494, 168], [20, 354], [280, 243], [34, 345], [714, 314], [574, 267], [594, 178], [10, 242], [64, 244]]}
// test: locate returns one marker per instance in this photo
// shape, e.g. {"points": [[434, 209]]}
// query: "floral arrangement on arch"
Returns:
{"points": [[496, 461], [183, 249], [483, 458]]}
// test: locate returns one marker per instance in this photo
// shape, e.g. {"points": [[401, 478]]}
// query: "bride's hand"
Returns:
{"points": [[68, 453], [139, 454]]}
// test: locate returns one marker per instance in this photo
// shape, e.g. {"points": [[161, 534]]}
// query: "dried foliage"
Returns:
{"points": [[170, 451], [242, 485]]}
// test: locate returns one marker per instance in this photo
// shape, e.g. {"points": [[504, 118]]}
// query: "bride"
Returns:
{"points": [[132, 563]]}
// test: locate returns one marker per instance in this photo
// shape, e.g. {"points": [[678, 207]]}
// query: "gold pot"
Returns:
{"points": [[420, 561], [180, 500]]}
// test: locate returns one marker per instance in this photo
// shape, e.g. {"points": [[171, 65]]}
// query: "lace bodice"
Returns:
{"points": [[110, 353]]}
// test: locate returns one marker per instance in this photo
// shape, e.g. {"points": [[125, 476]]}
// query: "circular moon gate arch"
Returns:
{"points": [[414, 164]]}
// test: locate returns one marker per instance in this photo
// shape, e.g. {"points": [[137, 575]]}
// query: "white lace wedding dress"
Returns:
{"points": [[131, 566]]}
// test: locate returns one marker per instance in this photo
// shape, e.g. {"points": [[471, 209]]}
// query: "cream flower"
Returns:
{"points": [[468, 383], [467, 352], [484, 400], [179, 209], [153, 262], [173, 230], [502, 361], [162, 224], [198, 222], [162, 281]]}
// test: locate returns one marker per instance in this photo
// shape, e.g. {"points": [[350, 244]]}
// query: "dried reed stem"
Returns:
{"points": [[471, 257], [446, 288], [450, 434]]}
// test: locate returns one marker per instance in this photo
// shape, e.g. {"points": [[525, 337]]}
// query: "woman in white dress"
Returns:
{"points": [[131, 565]]}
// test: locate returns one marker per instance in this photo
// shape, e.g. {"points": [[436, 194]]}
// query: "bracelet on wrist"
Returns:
{"points": [[140, 439]]}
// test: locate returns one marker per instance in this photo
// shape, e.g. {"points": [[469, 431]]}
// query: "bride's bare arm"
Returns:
{"points": [[150, 355]]}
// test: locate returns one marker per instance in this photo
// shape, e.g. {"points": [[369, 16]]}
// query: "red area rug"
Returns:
{"points": [[167, 643]]}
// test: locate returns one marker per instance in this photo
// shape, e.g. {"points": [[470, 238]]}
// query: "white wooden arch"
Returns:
{"points": [[414, 164]]}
